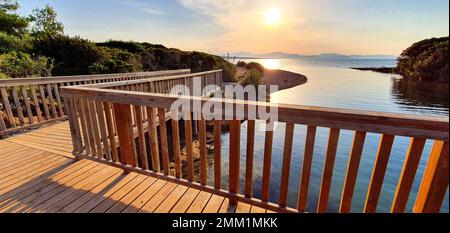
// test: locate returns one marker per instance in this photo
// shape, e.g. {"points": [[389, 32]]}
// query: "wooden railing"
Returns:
{"points": [[30, 102], [104, 120]]}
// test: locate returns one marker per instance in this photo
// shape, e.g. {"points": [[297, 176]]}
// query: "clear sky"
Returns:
{"points": [[257, 26]]}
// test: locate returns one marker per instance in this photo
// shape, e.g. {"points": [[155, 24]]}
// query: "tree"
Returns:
{"points": [[426, 60], [45, 22], [10, 21], [21, 65]]}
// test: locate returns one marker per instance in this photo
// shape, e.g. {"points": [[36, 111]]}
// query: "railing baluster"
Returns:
{"points": [[306, 170], [163, 137], [176, 143], [267, 162], [44, 102], [352, 171], [217, 153], [74, 126], [328, 170], [125, 133], [285, 170], [188, 138], [378, 173], [2, 123], [249, 158], [37, 108], [58, 100], [141, 138], [235, 140], [202, 142], [407, 175], [111, 133], [95, 129], [153, 139], [7, 106], [19, 109], [27, 105], [435, 180], [102, 126], [84, 128], [52, 101]]}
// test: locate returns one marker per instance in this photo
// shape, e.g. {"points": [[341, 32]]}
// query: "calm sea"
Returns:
{"points": [[332, 84]]}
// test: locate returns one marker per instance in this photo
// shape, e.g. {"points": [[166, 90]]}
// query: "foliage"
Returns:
{"points": [[9, 42], [251, 77], [242, 64], [256, 66], [45, 22], [19, 65], [425, 60], [10, 21]]}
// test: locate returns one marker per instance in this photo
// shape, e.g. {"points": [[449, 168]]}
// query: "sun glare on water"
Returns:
{"points": [[271, 63], [272, 16]]}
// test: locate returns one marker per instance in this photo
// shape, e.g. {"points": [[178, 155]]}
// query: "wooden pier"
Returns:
{"points": [[111, 156]]}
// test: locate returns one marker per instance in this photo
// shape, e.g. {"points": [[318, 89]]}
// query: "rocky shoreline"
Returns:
{"points": [[384, 70]]}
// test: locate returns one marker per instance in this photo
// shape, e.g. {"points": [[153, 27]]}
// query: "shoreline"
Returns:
{"points": [[384, 70]]}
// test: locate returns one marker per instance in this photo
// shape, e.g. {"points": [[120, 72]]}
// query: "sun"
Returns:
{"points": [[272, 16]]}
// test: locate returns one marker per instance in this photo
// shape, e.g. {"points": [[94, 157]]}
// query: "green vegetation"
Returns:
{"points": [[242, 64], [256, 66], [425, 60], [37, 46], [251, 77]]}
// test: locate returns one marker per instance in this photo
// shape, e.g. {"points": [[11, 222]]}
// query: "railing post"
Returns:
{"points": [[235, 139], [123, 116], [435, 180]]}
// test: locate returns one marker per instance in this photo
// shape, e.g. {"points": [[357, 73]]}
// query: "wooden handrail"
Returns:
{"points": [[138, 111], [30, 102]]}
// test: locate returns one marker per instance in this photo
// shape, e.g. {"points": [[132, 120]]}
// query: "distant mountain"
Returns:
{"points": [[283, 55]]}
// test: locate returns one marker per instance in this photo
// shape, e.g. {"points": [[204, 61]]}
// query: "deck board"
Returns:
{"points": [[38, 173]]}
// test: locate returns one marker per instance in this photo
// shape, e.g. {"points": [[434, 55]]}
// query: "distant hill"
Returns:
{"points": [[283, 55]]}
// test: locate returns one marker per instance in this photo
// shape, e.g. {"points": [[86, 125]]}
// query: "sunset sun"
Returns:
{"points": [[272, 16]]}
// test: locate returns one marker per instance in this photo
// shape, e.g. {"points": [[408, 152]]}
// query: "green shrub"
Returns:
{"points": [[20, 65], [9, 42], [251, 77], [242, 64], [256, 66]]}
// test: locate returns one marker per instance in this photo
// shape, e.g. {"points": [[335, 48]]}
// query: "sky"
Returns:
{"points": [[365, 27]]}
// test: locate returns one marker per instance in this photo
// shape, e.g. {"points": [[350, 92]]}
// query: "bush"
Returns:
{"points": [[256, 66], [9, 43], [251, 77], [425, 60], [242, 64], [20, 65]]}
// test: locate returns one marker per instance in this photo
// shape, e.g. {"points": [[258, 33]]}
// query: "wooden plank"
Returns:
{"points": [[188, 138], [143, 161], [171, 200], [267, 163], [285, 170], [44, 102], [217, 153], [227, 207], [18, 106], [379, 170], [306, 170], [74, 125], [85, 128], [153, 139], [94, 129], [214, 204], [235, 140], [199, 203], [202, 140], [249, 158], [243, 208], [7, 106], [111, 133], [124, 128], [185, 201], [328, 170], [176, 144], [163, 137], [140, 201], [58, 100], [434, 183], [27, 105], [407, 175], [257, 210], [156, 200], [352, 172], [52, 101], [37, 108], [102, 127], [2, 124]]}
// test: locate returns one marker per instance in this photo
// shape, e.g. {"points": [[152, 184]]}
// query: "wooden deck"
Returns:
{"points": [[38, 173]]}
